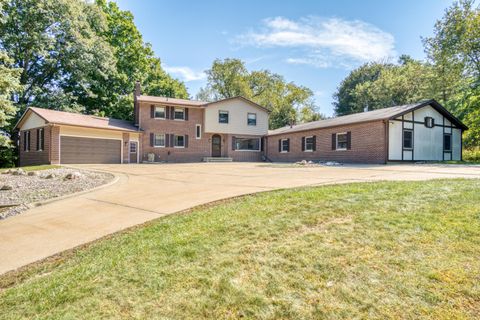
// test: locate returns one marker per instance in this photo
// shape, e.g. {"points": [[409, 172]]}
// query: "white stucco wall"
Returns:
{"points": [[237, 118], [427, 142], [32, 121]]}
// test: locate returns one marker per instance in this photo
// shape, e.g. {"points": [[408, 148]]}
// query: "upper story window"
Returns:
{"points": [[222, 116], [159, 112], [342, 141], [179, 114], [407, 139], [429, 122], [309, 142], [252, 119]]}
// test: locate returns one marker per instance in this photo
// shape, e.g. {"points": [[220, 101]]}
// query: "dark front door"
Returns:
{"points": [[216, 146]]}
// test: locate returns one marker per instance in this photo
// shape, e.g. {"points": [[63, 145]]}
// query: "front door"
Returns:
{"points": [[133, 151], [216, 146]]}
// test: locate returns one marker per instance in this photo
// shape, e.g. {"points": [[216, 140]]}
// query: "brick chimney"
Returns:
{"points": [[136, 92]]}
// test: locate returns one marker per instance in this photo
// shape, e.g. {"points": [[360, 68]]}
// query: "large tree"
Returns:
{"points": [[287, 101]]}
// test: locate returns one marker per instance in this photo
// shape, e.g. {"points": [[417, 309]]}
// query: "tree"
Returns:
{"points": [[229, 78]]}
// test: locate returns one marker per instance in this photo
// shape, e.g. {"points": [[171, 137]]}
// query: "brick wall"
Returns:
{"points": [[367, 145], [54, 145], [34, 157]]}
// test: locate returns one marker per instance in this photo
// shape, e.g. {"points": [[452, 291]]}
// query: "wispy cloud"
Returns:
{"points": [[185, 73], [323, 42]]}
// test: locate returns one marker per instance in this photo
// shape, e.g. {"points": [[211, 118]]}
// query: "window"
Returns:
{"points": [[133, 147], [285, 145], [179, 114], [247, 144], [407, 139], [252, 119], [342, 141], [159, 140], [179, 141], [447, 142], [429, 122], [222, 116], [159, 113], [40, 139], [26, 141], [309, 142], [198, 131]]}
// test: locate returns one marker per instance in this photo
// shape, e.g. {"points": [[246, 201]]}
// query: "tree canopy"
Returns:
{"points": [[287, 101]]}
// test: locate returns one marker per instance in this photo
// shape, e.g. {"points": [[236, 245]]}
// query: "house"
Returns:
{"points": [[164, 129], [423, 131]]}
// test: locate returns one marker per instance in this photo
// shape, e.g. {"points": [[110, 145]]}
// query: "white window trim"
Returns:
{"points": [[200, 131], [228, 116], [281, 144], [305, 145], [336, 141], [164, 112], [178, 109], [164, 140], [246, 150], [178, 147], [253, 125]]}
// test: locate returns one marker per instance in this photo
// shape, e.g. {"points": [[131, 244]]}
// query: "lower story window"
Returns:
{"points": [[250, 144], [309, 141], [179, 141], [407, 139], [447, 142], [285, 145], [159, 140], [342, 141]]}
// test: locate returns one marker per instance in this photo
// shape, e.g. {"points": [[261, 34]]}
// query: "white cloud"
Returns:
{"points": [[185, 73], [323, 41]]}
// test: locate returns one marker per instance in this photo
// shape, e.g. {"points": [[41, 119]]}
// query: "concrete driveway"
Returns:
{"points": [[148, 191]]}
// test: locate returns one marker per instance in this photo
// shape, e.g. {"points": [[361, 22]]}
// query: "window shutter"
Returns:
{"points": [[43, 139], [288, 145], [172, 113], [262, 144], [152, 111], [172, 140], [234, 140], [303, 143], [186, 141], [279, 145], [38, 139], [314, 143], [349, 140], [152, 137], [186, 114], [334, 141], [167, 140], [167, 112]]}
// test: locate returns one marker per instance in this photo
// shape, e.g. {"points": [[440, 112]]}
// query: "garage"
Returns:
{"points": [[89, 150]]}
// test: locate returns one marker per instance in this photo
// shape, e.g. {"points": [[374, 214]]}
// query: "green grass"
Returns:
{"points": [[384, 250], [35, 168]]}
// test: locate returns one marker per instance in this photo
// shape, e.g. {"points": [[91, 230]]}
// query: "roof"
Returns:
{"points": [[375, 115], [193, 103], [81, 120]]}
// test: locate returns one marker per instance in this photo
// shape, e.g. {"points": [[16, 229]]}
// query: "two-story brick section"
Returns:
{"points": [[236, 129]]}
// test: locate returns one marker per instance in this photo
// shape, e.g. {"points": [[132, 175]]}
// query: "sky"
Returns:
{"points": [[312, 43]]}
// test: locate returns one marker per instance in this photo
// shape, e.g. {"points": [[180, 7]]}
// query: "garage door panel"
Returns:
{"points": [[89, 150]]}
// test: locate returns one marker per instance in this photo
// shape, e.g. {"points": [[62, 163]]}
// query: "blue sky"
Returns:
{"points": [[312, 43]]}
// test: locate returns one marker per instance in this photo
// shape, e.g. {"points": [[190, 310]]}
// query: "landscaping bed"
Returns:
{"points": [[20, 188]]}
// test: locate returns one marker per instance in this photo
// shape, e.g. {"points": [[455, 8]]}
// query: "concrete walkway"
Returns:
{"points": [[145, 192]]}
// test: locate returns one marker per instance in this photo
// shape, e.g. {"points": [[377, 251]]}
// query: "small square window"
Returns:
{"points": [[342, 141], [252, 119], [222, 116], [179, 141], [160, 112], [407, 139], [179, 114], [429, 122], [159, 140]]}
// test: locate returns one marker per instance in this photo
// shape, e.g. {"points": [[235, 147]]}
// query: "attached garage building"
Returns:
{"points": [[55, 137]]}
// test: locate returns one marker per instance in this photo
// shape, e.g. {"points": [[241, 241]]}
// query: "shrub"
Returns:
{"points": [[472, 154]]}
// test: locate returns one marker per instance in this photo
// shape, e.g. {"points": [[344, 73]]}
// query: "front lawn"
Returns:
{"points": [[385, 250]]}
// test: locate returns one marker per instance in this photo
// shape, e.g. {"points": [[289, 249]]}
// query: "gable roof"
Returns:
{"points": [[193, 103], [375, 115], [78, 120]]}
